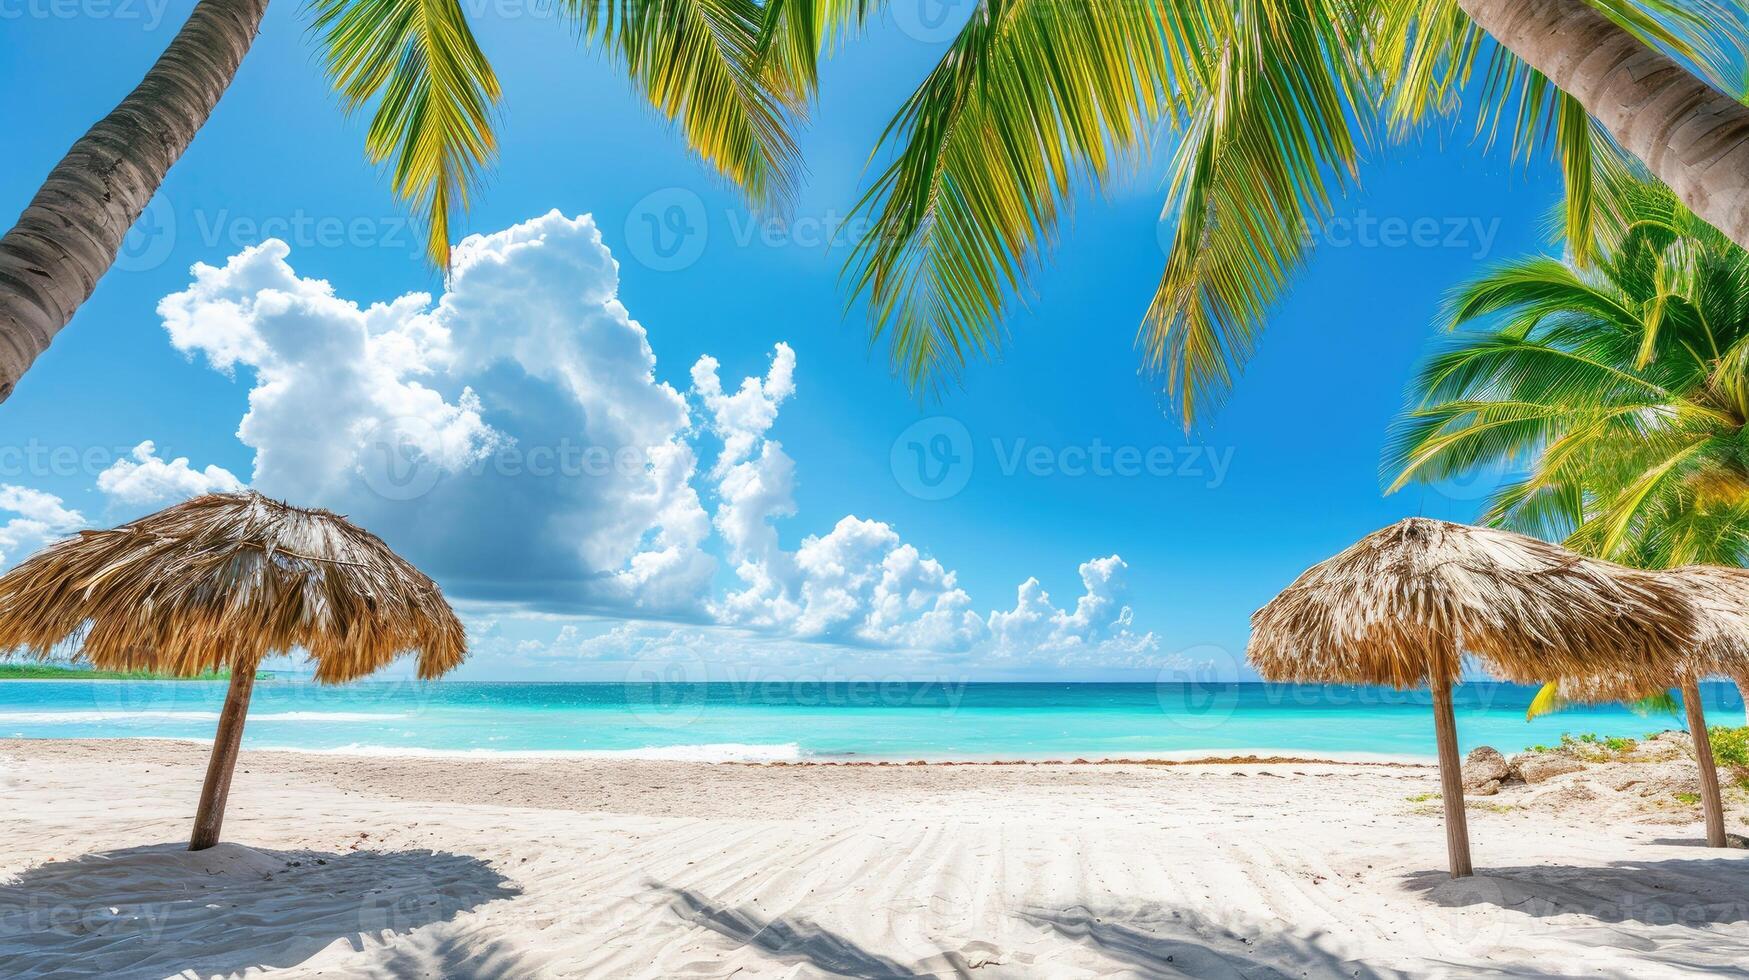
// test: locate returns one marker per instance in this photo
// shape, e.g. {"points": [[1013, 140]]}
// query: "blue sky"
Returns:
{"points": [[1284, 475]]}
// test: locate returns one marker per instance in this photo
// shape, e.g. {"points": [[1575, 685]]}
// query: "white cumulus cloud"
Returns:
{"points": [[513, 437], [331, 377], [861, 583], [578, 491], [1098, 628], [37, 518], [145, 479]]}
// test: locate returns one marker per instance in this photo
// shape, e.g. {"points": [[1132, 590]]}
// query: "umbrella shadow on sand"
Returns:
{"points": [[161, 909], [1696, 892], [1687, 914]]}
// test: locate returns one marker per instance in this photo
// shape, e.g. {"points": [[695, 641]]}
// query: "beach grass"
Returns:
{"points": [[1730, 750]]}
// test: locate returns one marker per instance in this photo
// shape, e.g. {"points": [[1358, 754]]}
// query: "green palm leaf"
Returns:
{"points": [[1033, 98], [698, 62], [794, 33], [434, 93], [1272, 138], [1548, 701], [1272, 101], [1615, 390]]}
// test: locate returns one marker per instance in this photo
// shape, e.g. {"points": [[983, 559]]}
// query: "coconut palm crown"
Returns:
{"points": [[1617, 391]]}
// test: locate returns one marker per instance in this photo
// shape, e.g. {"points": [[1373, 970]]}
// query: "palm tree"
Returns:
{"points": [[1614, 392], [1272, 101], [704, 64]]}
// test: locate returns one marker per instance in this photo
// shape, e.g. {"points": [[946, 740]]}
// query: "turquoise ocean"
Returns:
{"points": [[777, 721]]}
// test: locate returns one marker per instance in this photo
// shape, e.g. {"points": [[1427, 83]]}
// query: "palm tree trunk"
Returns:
{"points": [[68, 236], [1693, 137]]}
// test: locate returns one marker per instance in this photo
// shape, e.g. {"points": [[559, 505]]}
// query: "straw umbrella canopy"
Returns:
{"points": [[1721, 647], [223, 581], [1720, 600], [1402, 606]]}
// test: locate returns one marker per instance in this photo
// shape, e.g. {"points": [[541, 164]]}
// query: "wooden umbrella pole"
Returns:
{"points": [[1451, 779], [224, 758], [1703, 756]]}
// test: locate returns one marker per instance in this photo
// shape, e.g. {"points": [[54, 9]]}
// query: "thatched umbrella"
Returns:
{"points": [[1720, 600], [222, 581], [1403, 605], [1721, 603]]}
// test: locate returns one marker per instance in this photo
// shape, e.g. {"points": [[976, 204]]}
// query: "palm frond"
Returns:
{"points": [[1531, 290], [698, 63], [1548, 510], [1548, 700], [1033, 99], [793, 34], [1275, 136], [434, 93], [1657, 704], [1616, 391]]}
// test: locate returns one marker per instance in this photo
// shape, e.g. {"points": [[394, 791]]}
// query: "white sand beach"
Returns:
{"points": [[339, 866]]}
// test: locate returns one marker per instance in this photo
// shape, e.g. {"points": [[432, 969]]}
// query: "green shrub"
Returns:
{"points": [[1730, 745], [1731, 751], [1592, 747]]}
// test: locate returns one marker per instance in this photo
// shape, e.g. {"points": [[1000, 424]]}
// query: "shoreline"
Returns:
{"points": [[697, 754]]}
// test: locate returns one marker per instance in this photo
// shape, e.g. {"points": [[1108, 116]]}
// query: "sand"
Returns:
{"points": [[340, 866]]}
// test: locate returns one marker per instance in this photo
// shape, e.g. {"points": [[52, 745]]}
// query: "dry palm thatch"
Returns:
{"points": [[1720, 600], [224, 580], [1721, 604], [1403, 604]]}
